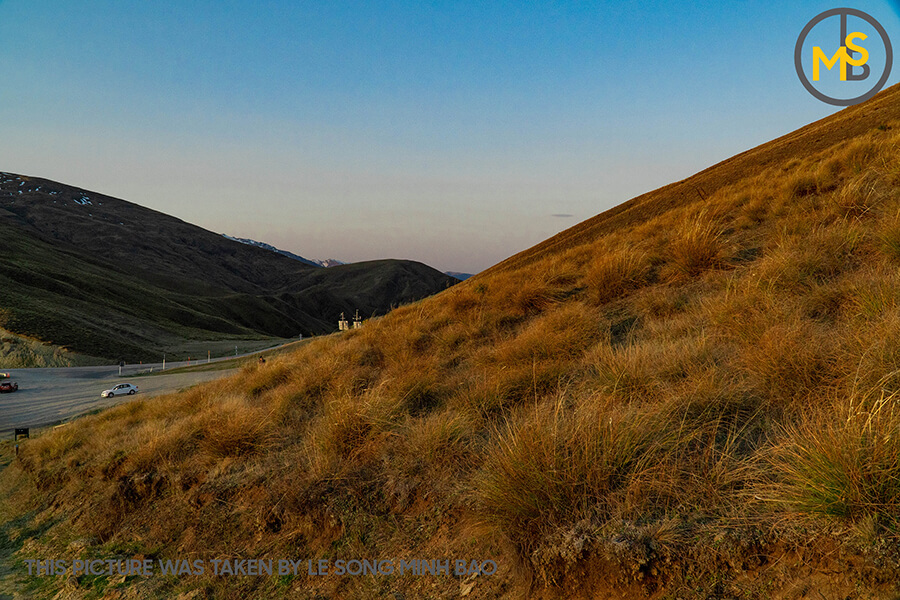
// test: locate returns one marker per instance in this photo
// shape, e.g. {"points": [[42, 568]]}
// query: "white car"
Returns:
{"points": [[120, 390]]}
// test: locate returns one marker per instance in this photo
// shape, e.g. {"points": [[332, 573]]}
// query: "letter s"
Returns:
{"points": [[864, 58]]}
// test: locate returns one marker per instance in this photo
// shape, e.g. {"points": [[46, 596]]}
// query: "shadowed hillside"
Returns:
{"points": [[689, 396], [105, 277]]}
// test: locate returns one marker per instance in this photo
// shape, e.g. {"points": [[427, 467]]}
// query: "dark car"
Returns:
{"points": [[8, 386]]}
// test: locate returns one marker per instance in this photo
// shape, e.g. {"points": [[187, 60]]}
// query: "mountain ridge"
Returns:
{"points": [[73, 260], [271, 248]]}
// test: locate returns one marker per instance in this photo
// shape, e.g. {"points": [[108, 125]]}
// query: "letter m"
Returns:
{"points": [[819, 55]]}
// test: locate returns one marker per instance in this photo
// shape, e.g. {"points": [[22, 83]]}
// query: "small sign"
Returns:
{"points": [[23, 431]]}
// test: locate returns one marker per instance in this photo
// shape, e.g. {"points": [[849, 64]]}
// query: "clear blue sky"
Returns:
{"points": [[446, 132]]}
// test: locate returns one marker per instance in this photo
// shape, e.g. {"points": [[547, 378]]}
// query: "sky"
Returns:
{"points": [[454, 133]]}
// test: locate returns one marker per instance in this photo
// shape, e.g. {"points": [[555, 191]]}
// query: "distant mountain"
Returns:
{"points": [[329, 262], [271, 248], [108, 278], [458, 275]]}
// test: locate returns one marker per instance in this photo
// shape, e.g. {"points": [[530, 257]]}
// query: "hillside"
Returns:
{"points": [[105, 277], [689, 396]]}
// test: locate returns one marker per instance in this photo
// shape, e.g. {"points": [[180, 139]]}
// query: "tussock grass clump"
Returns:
{"points": [[159, 442], [347, 429], [789, 360], [811, 256], [262, 378], [888, 237], [531, 295], [537, 361], [49, 458], [555, 465], [875, 298], [235, 428], [614, 274], [698, 248], [862, 194], [563, 335], [802, 185], [874, 353], [842, 463], [442, 439], [644, 370], [858, 155]]}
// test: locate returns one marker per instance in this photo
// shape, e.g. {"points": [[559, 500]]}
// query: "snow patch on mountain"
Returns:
{"points": [[328, 262]]}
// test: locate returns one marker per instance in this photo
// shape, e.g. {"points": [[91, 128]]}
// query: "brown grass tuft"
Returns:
{"points": [[614, 274], [698, 247], [555, 466], [842, 463]]}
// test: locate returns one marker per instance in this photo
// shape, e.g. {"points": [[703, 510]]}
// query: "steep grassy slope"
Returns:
{"points": [[106, 277], [697, 402]]}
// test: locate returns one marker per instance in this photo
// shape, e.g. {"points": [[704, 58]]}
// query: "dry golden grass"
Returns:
{"points": [[697, 247], [442, 439], [843, 462], [559, 464], [614, 274]]}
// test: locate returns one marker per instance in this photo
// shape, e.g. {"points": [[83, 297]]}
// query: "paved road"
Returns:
{"points": [[49, 396]]}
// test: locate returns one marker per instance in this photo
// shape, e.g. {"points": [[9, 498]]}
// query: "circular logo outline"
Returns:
{"points": [[888, 63]]}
